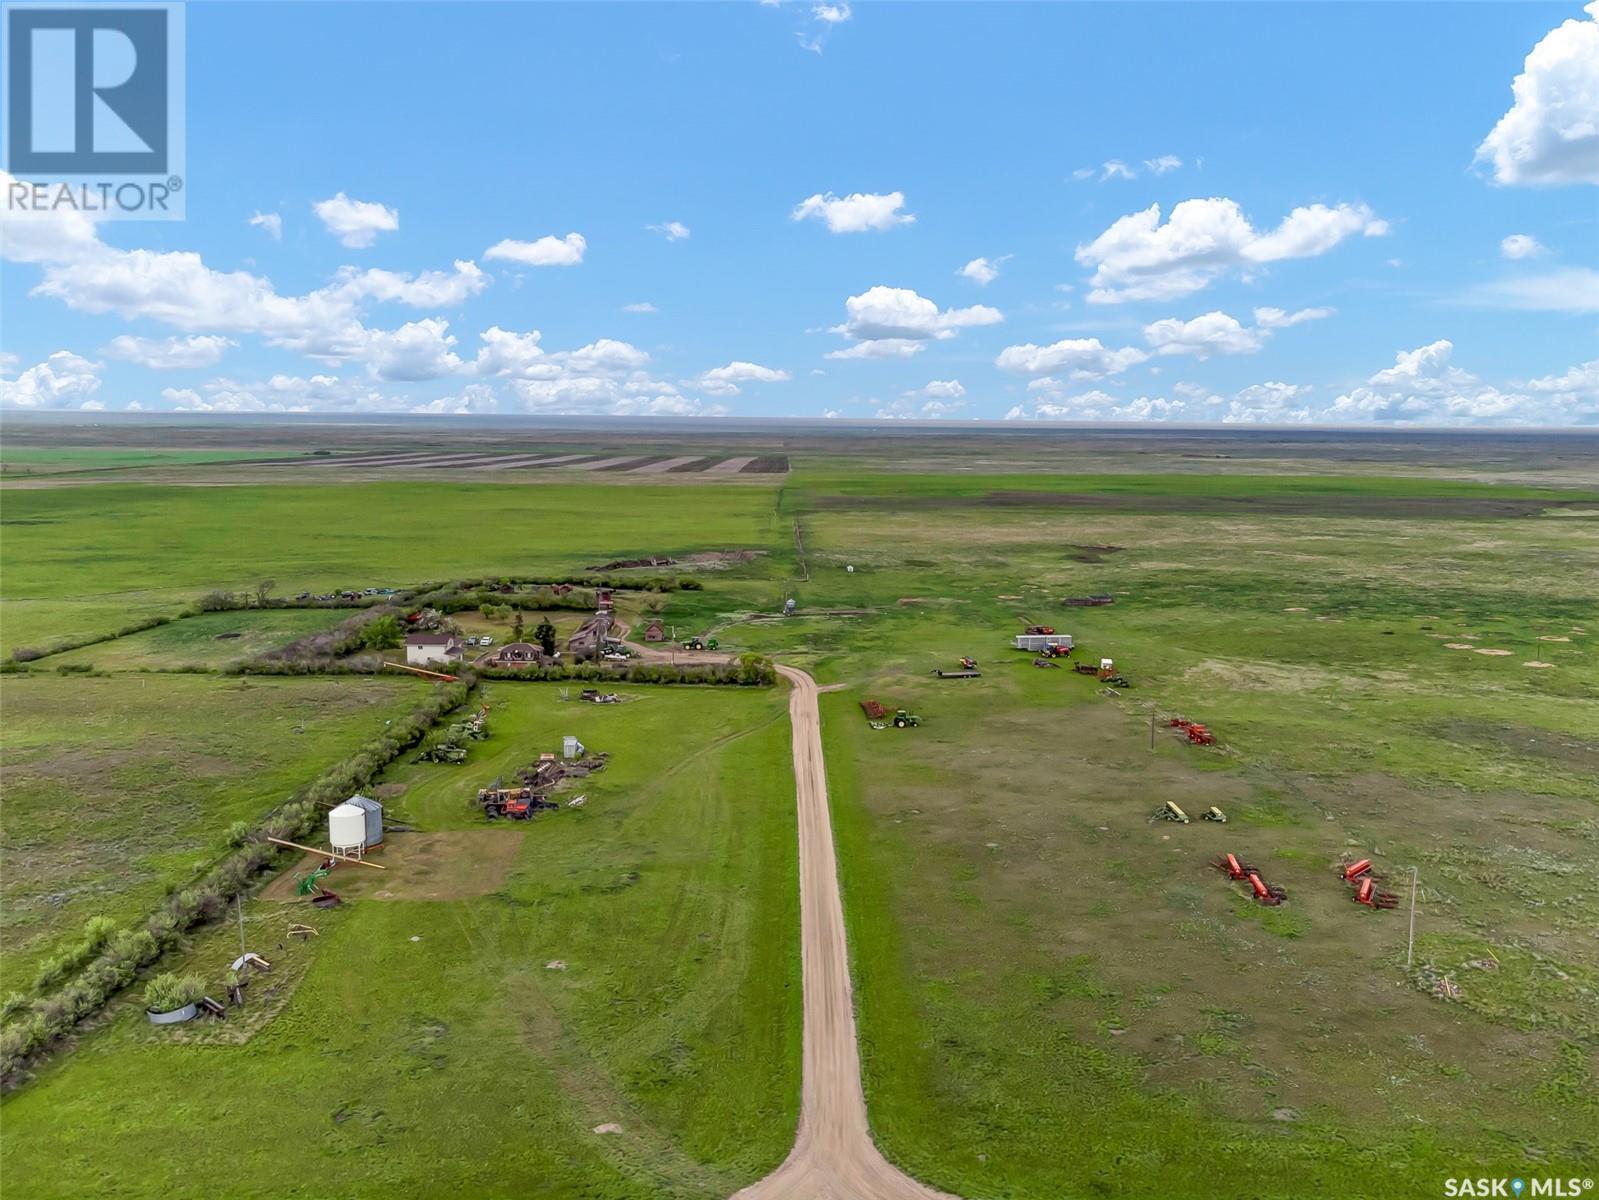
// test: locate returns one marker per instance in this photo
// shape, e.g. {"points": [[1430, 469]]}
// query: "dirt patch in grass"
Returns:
{"points": [[1092, 554], [447, 865]]}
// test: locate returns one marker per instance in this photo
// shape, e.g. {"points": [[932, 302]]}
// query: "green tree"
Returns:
{"points": [[545, 635], [381, 634]]}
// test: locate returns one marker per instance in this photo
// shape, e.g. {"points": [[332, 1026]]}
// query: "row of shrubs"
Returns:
{"points": [[85, 980], [751, 670], [27, 654]]}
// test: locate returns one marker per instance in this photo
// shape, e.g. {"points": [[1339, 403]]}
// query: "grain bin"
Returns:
{"points": [[347, 829], [374, 818]]}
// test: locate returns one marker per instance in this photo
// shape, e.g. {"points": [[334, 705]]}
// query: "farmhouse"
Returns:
{"points": [[590, 637], [512, 654], [424, 648]]}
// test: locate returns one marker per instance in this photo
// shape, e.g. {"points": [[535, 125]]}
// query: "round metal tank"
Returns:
{"points": [[347, 827]]}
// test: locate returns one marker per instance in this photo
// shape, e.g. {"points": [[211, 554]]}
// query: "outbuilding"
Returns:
{"points": [[356, 826]]}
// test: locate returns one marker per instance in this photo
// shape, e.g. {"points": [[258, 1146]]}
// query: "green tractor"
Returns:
{"points": [[695, 643], [906, 720]]}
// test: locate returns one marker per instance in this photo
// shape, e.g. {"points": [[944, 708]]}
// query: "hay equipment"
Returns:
{"points": [[1197, 734], [517, 804], [1355, 870], [1266, 893], [1170, 812], [1229, 866], [1215, 814], [1367, 893], [1056, 650], [874, 711]]}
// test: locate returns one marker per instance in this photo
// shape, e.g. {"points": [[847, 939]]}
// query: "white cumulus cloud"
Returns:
{"points": [[1211, 333], [983, 271], [856, 213], [271, 222], [548, 251], [1551, 133], [724, 381], [1520, 245], [63, 380], [1141, 258], [886, 314], [173, 353], [1080, 358], [356, 223]]}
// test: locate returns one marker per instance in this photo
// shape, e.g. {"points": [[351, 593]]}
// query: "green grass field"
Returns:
{"points": [[117, 789], [203, 642], [1057, 997], [428, 1040]]}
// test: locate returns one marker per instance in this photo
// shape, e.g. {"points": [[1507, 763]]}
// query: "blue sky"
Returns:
{"points": [[1203, 212]]}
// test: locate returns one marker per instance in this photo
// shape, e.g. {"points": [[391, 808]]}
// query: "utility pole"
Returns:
{"points": [[1410, 948], [238, 902], [1152, 727]]}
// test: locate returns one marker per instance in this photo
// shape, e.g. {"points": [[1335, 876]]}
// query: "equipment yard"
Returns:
{"points": [[1123, 928]]}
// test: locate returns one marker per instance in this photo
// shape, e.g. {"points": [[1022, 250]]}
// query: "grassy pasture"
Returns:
{"points": [[203, 642], [1057, 1000], [428, 1040], [119, 788]]}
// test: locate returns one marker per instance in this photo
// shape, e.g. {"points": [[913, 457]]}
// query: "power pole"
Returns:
{"points": [[238, 902], [1152, 727], [1410, 948]]}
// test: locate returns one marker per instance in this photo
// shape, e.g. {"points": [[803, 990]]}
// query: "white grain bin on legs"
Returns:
{"points": [[347, 829]]}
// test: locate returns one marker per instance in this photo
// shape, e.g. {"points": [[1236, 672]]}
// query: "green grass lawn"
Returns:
{"points": [[203, 642], [119, 788], [428, 1048]]}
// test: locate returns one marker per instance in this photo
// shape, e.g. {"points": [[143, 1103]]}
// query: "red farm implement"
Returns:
{"points": [[1264, 892], [1229, 865], [1368, 894], [1198, 735]]}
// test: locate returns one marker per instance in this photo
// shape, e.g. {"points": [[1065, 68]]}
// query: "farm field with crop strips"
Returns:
{"points": [[1058, 996], [119, 788], [22, 461], [633, 965]]}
